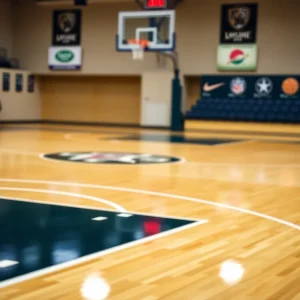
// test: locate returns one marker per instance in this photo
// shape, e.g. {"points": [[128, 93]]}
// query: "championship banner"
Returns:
{"points": [[19, 83], [251, 87], [64, 58], [238, 23], [30, 84], [66, 29], [5, 82], [237, 57]]}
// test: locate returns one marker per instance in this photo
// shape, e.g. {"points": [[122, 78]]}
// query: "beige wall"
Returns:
{"points": [[6, 25], [19, 105], [91, 99], [197, 28]]}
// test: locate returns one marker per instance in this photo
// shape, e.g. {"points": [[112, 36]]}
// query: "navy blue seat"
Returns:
{"points": [[234, 109]]}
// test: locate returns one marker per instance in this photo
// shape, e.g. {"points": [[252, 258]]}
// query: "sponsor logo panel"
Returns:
{"points": [[237, 57], [250, 86]]}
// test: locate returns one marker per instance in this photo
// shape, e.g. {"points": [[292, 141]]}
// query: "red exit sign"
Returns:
{"points": [[152, 4]]}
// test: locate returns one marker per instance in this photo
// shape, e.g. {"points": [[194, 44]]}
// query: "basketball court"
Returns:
{"points": [[211, 221], [170, 209]]}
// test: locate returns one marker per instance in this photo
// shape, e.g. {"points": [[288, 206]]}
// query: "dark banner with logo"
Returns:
{"points": [[30, 84], [238, 23], [251, 87], [19, 82], [66, 27], [5, 82]]}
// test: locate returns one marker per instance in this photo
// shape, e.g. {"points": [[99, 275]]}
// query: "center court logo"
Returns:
{"points": [[237, 57], [112, 158]]}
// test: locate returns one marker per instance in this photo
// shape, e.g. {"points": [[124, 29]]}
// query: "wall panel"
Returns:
{"points": [[197, 24], [104, 99]]}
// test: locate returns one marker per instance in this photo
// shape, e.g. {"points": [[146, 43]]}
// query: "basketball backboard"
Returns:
{"points": [[157, 27]]}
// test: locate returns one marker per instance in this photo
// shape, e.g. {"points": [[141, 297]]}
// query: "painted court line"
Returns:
{"points": [[99, 208], [44, 191], [99, 254], [164, 195]]}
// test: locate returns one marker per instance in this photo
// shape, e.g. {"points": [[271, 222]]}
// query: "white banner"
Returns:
{"points": [[237, 57], [64, 58]]}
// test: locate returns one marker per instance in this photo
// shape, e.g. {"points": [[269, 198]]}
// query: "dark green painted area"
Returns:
{"points": [[180, 139], [38, 236]]}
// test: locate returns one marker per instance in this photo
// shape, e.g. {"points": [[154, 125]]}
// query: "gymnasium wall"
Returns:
{"points": [[101, 99], [6, 33], [22, 105], [198, 36]]}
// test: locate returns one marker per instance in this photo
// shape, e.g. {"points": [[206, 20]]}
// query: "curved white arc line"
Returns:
{"points": [[109, 203], [165, 195]]}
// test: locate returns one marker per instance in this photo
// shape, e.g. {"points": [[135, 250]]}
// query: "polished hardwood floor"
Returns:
{"points": [[247, 190]]}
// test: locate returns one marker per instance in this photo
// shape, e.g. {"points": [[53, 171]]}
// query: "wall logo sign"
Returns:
{"points": [[207, 87], [290, 86], [264, 86], [238, 86], [66, 27], [112, 158], [65, 58], [67, 21], [252, 86], [237, 57], [238, 23], [239, 17]]}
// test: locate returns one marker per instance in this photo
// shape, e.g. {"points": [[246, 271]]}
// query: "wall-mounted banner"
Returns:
{"points": [[19, 82], [5, 82], [64, 58], [238, 23], [30, 84], [237, 57], [66, 27], [250, 87]]}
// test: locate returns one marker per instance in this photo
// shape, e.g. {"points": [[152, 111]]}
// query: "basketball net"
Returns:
{"points": [[138, 48]]}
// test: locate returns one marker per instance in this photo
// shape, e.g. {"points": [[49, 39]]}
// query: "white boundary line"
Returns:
{"points": [[44, 191], [164, 195], [96, 255], [89, 257], [99, 208]]}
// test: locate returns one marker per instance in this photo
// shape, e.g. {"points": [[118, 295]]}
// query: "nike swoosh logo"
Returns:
{"points": [[209, 88]]}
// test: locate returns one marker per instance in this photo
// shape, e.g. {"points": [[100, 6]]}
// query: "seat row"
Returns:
{"points": [[261, 110]]}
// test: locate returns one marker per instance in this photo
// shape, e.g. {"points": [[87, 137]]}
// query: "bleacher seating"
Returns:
{"points": [[4, 63], [256, 110]]}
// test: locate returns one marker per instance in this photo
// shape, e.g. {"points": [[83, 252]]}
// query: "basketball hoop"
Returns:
{"points": [[138, 48]]}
